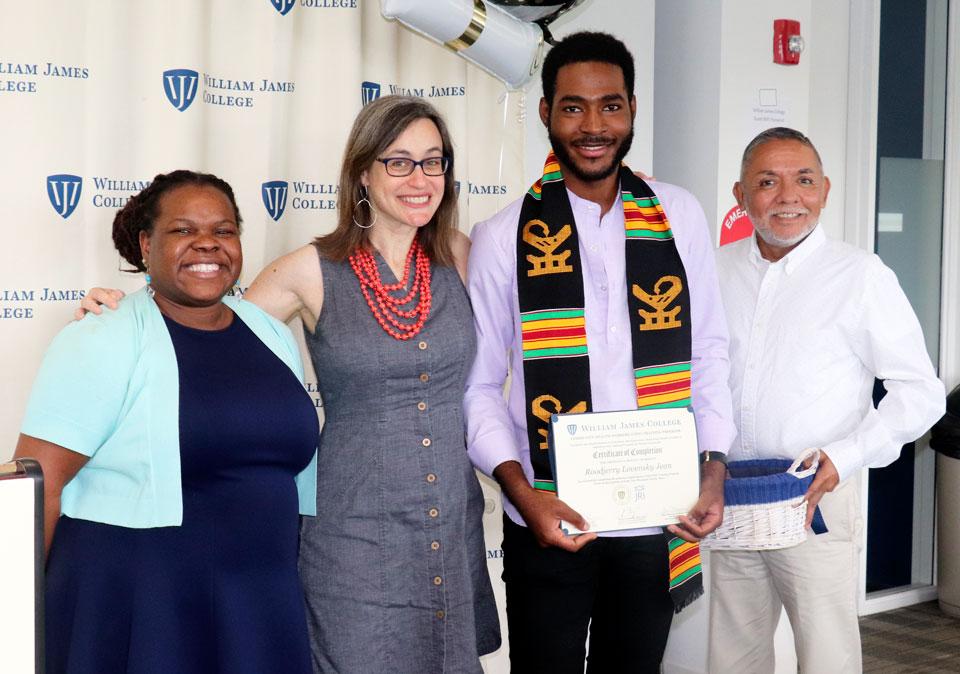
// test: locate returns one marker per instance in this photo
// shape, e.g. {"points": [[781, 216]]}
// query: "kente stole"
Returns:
{"points": [[556, 368]]}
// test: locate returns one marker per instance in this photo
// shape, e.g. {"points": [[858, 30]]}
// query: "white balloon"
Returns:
{"points": [[482, 33], [539, 12]]}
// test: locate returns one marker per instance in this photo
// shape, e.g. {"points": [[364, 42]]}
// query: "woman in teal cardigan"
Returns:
{"points": [[178, 446]]}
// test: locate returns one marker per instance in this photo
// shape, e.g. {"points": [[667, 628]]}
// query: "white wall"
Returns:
{"points": [[746, 70], [827, 49], [711, 61], [687, 89]]}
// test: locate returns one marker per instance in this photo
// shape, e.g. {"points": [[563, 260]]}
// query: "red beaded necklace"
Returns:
{"points": [[387, 308]]}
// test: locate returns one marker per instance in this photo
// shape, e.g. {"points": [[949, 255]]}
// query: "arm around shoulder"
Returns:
{"points": [[95, 299], [290, 285]]}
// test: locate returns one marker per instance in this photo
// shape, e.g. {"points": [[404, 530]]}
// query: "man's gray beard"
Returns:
{"points": [[771, 238]]}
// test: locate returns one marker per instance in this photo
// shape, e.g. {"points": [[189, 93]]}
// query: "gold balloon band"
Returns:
{"points": [[472, 33]]}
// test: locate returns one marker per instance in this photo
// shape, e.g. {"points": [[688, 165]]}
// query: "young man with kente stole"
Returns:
{"points": [[603, 291]]}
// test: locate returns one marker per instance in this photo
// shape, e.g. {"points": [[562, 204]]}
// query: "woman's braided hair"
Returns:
{"points": [[139, 213]]}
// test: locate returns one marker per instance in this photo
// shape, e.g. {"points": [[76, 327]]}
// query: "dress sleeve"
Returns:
{"points": [[81, 390]]}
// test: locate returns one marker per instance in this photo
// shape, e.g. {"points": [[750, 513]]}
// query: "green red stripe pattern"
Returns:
{"points": [[684, 561], [644, 218], [661, 386], [551, 173], [553, 333], [545, 485]]}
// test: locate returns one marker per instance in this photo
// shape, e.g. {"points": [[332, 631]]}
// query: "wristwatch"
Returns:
{"points": [[719, 457]]}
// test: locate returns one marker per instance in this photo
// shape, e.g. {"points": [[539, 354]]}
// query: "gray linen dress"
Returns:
{"points": [[394, 564]]}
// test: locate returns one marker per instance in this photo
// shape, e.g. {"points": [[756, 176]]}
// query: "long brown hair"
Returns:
{"points": [[377, 126]]}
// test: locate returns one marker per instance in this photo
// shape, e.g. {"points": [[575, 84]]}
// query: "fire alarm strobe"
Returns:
{"points": [[787, 42]]}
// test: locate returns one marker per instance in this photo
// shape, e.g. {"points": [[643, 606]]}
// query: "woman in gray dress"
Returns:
{"points": [[394, 565]]}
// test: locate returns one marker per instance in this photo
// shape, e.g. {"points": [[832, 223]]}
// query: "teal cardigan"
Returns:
{"points": [[108, 388]]}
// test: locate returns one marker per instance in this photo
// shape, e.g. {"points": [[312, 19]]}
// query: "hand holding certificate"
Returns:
{"points": [[626, 470]]}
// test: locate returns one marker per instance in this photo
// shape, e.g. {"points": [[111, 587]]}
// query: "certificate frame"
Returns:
{"points": [[627, 469]]}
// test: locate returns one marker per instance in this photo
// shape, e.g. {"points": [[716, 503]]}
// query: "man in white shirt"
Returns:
{"points": [[812, 322]]}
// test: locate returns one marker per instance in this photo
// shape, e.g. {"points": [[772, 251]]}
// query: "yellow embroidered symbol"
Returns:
{"points": [[543, 414], [660, 318], [548, 263]]}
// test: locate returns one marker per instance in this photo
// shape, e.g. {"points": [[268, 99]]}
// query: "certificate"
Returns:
{"points": [[626, 470]]}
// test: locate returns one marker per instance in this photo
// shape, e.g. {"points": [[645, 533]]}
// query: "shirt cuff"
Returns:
{"points": [[845, 457], [495, 448], [715, 435]]}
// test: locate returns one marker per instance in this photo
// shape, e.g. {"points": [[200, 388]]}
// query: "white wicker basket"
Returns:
{"points": [[768, 525]]}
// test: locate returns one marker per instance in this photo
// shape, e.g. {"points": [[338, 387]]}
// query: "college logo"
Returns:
{"points": [[274, 195], [64, 192], [572, 429], [180, 86], [282, 6], [369, 91], [456, 186]]}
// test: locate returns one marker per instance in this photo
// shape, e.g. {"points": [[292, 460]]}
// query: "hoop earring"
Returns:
{"points": [[363, 198]]}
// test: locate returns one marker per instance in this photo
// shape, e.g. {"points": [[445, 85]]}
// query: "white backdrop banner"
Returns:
{"points": [[98, 96]]}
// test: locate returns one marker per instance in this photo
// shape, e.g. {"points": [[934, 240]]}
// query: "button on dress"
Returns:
{"points": [[394, 565]]}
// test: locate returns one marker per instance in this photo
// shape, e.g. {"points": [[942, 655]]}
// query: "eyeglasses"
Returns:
{"points": [[399, 167]]}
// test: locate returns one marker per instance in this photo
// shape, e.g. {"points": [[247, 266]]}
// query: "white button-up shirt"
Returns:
{"points": [[808, 335]]}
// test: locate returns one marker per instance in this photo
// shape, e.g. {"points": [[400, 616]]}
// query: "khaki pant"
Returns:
{"points": [[816, 582]]}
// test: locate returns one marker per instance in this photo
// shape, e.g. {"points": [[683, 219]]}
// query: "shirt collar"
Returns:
{"points": [[792, 260], [581, 205]]}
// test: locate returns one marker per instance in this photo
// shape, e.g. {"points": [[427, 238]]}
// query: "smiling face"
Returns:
{"points": [[590, 121], [782, 189], [408, 201], [193, 253]]}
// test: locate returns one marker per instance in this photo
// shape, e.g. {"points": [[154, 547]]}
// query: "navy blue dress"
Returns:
{"points": [[219, 594]]}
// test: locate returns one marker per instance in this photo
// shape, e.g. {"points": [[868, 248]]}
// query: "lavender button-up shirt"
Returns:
{"points": [[496, 428]]}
